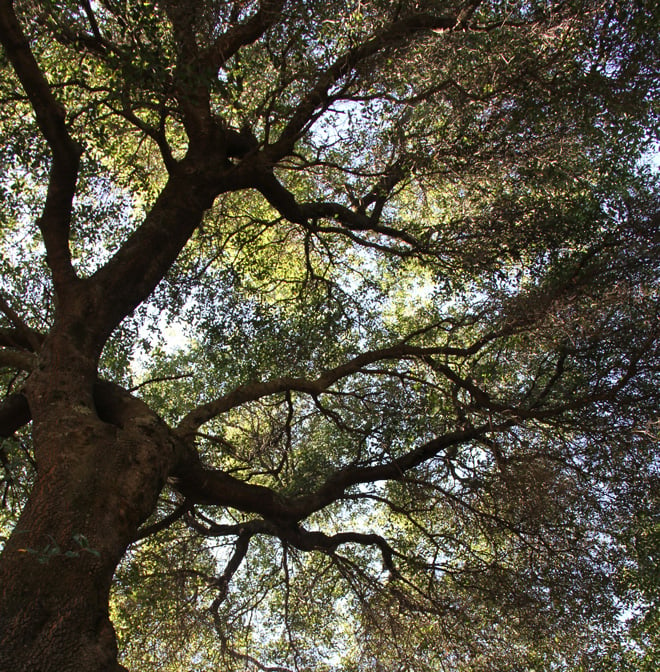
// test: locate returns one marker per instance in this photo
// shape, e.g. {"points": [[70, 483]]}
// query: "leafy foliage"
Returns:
{"points": [[389, 274]]}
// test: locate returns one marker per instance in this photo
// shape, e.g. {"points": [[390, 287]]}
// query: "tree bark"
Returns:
{"points": [[102, 458]]}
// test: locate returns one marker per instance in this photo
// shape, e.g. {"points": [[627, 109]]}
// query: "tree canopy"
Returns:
{"points": [[329, 335]]}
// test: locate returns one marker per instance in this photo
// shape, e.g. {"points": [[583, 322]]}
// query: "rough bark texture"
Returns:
{"points": [[102, 459]]}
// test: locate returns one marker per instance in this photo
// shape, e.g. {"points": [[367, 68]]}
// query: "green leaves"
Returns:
{"points": [[465, 209], [52, 550]]}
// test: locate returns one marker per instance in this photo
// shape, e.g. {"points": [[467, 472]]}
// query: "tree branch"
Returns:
{"points": [[17, 359], [297, 536], [395, 33], [257, 390], [17, 338], [353, 220], [24, 336], [56, 217], [133, 272], [216, 487], [91, 17], [243, 34], [163, 523], [309, 540]]}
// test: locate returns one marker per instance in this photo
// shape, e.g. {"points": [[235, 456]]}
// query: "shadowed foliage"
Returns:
{"points": [[329, 335]]}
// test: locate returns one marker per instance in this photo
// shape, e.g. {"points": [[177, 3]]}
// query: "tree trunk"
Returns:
{"points": [[102, 458]]}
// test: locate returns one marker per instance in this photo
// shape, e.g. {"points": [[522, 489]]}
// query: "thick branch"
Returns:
{"points": [[307, 540], [192, 75], [17, 359], [141, 263], [243, 34], [304, 213], [18, 338], [257, 390], [393, 470], [295, 535], [208, 486], [50, 114], [23, 335], [380, 193], [215, 487], [240, 551], [318, 97]]}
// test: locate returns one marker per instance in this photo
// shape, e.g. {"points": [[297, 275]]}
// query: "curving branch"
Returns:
{"points": [[319, 97], [257, 390], [350, 220], [312, 540], [216, 487], [294, 535], [163, 523], [22, 335], [51, 119], [242, 34]]}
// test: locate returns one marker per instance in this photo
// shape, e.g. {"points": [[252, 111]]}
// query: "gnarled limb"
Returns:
{"points": [[253, 391], [22, 335], [241, 34], [56, 217], [215, 486], [319, 97], [17, 359]]}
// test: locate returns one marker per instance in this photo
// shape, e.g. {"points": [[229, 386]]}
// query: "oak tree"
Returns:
{"points": [[329, 334]]}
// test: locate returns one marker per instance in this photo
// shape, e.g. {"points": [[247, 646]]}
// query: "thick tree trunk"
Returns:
{"points": [[102, 458], [54, 595]]}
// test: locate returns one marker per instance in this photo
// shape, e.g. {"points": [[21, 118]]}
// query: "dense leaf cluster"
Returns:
{"points": [[388, 272]]}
